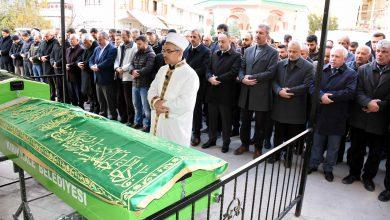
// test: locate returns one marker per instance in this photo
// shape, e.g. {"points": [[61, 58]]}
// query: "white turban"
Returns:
{"points": [[177, 40]]}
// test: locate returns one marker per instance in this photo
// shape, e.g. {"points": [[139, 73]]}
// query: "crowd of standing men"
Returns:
{"points": [[253, 78]]}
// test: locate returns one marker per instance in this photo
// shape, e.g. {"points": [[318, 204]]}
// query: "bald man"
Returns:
{"points": [[44, 52], [290, 86], [362, 56], [346, 42]]}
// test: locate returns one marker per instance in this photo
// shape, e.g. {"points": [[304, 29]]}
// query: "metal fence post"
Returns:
{"points": [[314, 99]]}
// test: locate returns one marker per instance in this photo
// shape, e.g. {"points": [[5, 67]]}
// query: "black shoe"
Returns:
{"points": [[129, 124], [369, 185], [114, 118], [206, 130], [146, 129], [235, 132], [287, 163], [225, 148], [208, 144], [384, 196], [329, 176], [350, 179], [252, 141], [311, 170], [195, 141], [273, 159], [136, 126], [267, 144]]}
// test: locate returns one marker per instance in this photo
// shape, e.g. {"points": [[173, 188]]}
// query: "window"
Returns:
{"points": [[154, 6], [92, 2]]}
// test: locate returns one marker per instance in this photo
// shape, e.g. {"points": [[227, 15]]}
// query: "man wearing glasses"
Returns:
{"points": [[172, 94]]}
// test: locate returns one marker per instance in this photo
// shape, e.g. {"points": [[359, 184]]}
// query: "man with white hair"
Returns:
{"points": [[88, 87], [370, 120], [47, 68], [73, 72], [290, 86], [172, 94], [337, 88]]}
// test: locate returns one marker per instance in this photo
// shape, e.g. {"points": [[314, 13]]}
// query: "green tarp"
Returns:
{"points": [[115, 163]]}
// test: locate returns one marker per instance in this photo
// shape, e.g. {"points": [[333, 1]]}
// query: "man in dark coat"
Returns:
{"points": [[337, 88], [88, 87], [14, 53], [290, 86], [224, 68], [256, 75], [44, 52], [27, 65], [102, 64], [370, 117], [197, 56], [5, 46], [56, 63], [73, 72]]}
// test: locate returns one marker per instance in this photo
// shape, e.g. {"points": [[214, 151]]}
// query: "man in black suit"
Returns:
{"points": [[370, 118], [220, 94], [5, 46], [290, 86], [256, 75], [197, 56]]}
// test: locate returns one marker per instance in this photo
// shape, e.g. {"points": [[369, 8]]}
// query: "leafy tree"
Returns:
{"points": [[315, 23], [22, 13]]}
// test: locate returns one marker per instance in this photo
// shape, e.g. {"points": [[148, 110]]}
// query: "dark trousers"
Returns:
{"points": [[387, 177], [127, 92], [120, 101], [106, 95], [74, 91], [225, 113], [236, 111], [269, 128], [27, 66], [260, 124], [359, 140], [283, 133], [7, 65], [56, 87], [197, 119]]}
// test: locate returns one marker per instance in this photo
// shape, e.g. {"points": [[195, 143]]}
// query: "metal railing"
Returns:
{"points": [[257, 190]]}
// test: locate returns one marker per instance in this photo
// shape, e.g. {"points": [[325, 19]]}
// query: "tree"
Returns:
{"points": [[315, 23], [22, 13], [233, 29]]}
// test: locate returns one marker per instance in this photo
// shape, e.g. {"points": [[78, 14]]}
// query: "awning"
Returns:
{"points": [[147, 20]]}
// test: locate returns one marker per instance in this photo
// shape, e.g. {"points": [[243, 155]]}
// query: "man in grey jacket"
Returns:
{"points": [[125, 55], [256, 74]]}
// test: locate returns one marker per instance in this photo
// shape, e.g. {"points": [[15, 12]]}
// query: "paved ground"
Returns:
{"points": [[323, 200]]}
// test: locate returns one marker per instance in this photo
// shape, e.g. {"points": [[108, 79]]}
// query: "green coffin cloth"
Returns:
{"points": [[113, 162], [31, 88]]}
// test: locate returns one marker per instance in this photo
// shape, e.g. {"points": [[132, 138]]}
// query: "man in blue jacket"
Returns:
{"points": [[337, 88], [102, 64]]}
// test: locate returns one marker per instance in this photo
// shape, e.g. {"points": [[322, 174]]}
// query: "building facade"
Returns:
{"points": [[141, 14], [284, 17], [374, 15]]}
